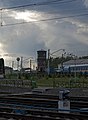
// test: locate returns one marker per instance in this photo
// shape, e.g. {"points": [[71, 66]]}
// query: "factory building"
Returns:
{"points": [[41, 60], [77, 65]]}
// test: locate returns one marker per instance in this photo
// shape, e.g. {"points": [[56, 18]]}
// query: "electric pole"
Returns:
{"points": [[48, 61]]}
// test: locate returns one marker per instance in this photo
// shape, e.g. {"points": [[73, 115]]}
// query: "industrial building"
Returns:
{"points": [[41, 60], [76, 65]]}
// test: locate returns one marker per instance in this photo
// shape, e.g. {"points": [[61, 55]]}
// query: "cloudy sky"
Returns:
{"points": [[43, 24]]}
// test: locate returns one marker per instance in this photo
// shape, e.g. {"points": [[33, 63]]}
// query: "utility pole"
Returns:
{"points": [[12, 67], [30, 65], [12, 64], [75, 65], [21, 65], [52, 54], [48, 61], [74, 58], [62, 62], [62, 59], [18, 59]]}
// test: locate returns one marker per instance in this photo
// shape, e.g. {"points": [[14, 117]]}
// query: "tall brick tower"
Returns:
{"points": [[41, 60]]}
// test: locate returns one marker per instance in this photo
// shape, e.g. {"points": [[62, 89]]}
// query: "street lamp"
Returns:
{"points": [[49, 54], [18, 59]]}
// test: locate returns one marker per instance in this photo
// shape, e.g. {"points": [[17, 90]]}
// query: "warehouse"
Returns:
{"points": [[76, 65]]}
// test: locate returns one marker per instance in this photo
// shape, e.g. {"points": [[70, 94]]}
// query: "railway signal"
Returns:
{"points": [[64, 103]]}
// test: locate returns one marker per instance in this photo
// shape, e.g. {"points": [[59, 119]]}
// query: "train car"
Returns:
{"points": [[2, 68], [81, 69]]}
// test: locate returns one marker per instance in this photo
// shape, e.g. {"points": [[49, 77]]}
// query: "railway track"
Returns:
{"points": [[44, 115], [47, 96], [36, 106], [42, 102]]}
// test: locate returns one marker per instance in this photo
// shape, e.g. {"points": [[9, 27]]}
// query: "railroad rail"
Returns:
{"points": [[40, 106], [46, 96], [79, 102], [43, 115]]}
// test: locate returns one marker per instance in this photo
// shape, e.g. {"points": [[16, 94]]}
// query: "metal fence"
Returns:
{"points": [[72, 85], [33, 84], [16, 83]]}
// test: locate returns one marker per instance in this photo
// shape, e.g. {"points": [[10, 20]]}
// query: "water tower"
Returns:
{"points": [[41, 60]]}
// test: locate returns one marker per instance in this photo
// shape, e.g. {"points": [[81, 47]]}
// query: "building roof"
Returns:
{"points": [[77, 62], [41, 50]]}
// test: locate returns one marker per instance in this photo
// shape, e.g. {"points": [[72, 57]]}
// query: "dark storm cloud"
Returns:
{"points": [[28, 38], [22, 39], [64, 8], [59, 5]]}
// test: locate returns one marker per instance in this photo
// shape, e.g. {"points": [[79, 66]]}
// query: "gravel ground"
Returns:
{"points": [[54, 91], [5, 89], [73, 91]]}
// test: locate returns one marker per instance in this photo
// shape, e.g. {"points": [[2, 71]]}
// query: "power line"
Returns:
{"points": [[68, 10], [33, 4], [49, 19], [57, 11], [55, 1], [39, 4]]}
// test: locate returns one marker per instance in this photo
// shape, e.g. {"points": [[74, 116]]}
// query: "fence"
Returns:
{"points": [[18, 83], [54, 84], [72, 85]]}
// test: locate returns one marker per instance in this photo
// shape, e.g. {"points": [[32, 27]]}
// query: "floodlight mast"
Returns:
{"points": [[49, 54]]}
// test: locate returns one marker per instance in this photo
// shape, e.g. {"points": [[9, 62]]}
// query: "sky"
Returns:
{"points": [[43, 24]]}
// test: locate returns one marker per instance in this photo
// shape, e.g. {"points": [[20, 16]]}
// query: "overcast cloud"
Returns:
{"points": [[25, 39]]}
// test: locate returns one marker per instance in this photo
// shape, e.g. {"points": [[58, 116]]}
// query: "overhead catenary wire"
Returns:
{"points": [[57, 11], [43, 3], [23, 7], [38, 4], [33, 4], [48, 19]]}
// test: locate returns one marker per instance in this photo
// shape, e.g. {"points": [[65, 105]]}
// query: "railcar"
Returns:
{"points": [[68, 69]]}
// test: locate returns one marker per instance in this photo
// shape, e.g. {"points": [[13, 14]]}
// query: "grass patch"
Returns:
{"points": [[67, 82]]}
